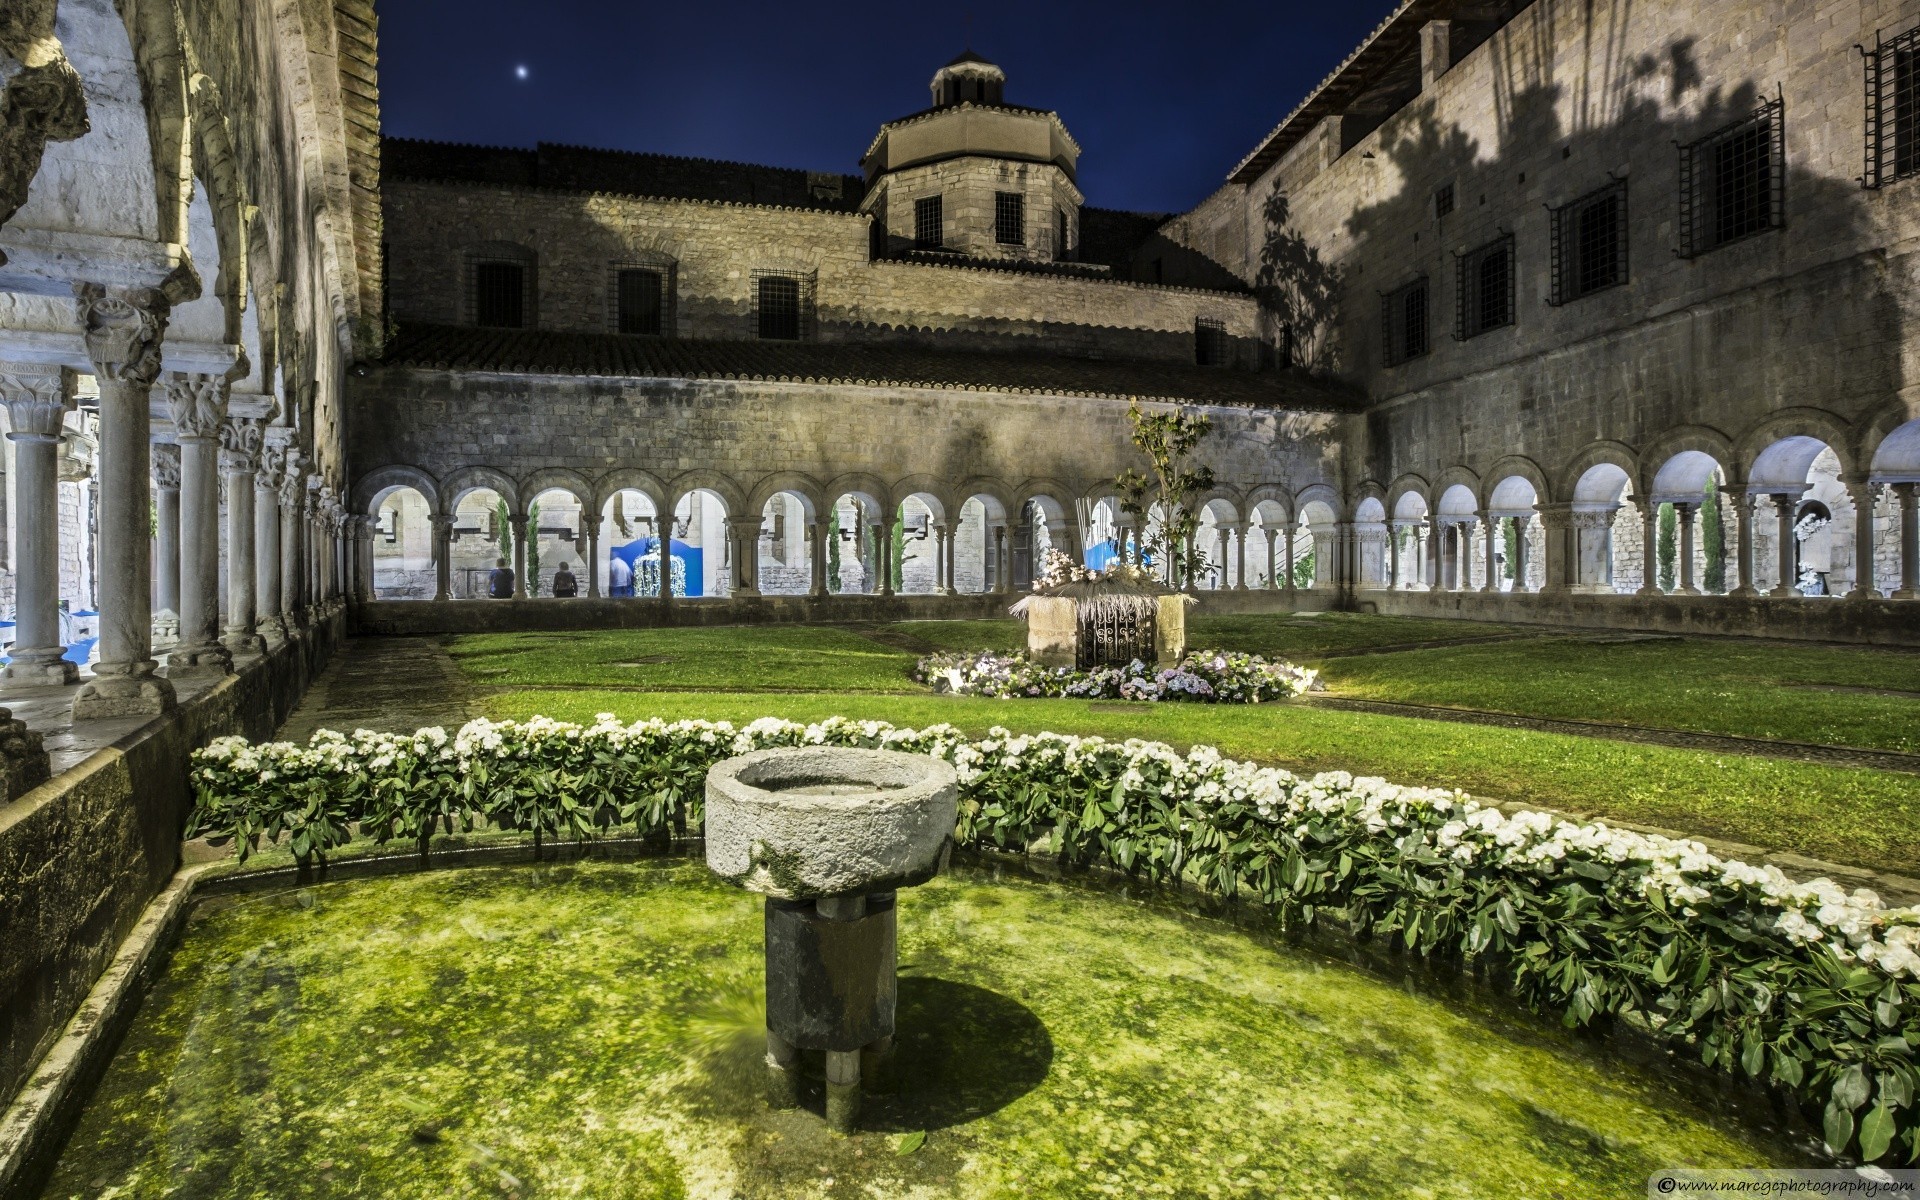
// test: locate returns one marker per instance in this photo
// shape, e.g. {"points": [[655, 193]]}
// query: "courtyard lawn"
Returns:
{"points": [[744, 658], [1302, 637], [1833, 696]]}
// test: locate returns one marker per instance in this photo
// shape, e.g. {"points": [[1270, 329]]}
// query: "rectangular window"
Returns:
{"points": [[638, 294], [1732, 182], [1443, 201], [499, 294], [1010, 218], [1403, 323], [1589, 250], [777, 303], [1061, 250], [1209, 343], [1484, 299], [929, 224], [1893, 109]]}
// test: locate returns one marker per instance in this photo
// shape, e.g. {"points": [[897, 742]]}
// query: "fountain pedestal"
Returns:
{"points": [[829, 835]]}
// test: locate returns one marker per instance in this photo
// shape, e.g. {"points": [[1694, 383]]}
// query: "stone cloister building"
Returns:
{"points": [[1540, 310]]}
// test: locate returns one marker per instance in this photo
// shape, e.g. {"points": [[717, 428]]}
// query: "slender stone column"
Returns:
{"points": [[887, 524], [240, 443], [1783, 510], [518, 523], [1861, 492], [817, 534], [293, 499], [1393, 555], [442, 556], [1002, 575], [363, 559], [1909, 588], [1649, 548], [166, 542], [942, 560], [1685, 512], [1287, 560], [593, 557], [38, 400], [744, 532], [1430, 533], [198, 408], [266, 546], [663, 545], [1273, 565], [123, 335], [1556, 522], [1743, 541], [1489, 541]]}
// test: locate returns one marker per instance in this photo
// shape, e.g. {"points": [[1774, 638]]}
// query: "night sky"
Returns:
{"points": [[1163, 97]]}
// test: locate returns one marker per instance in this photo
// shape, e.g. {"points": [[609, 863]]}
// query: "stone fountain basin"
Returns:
{"points": [[807, 822]]}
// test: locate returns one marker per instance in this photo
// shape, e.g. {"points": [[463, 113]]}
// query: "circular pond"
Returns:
{"points": [[595, 1030]]}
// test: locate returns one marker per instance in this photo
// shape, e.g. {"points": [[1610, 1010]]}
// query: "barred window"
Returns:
{"points": [[1061, 250], [1893, 109], [1732, 182], [499, 294], [638, 295], [1010, 218], [929, 224], [1403, 323], [1590, 243], [1484, 299], [779, 306], [1443, 200], [1209, 343]]}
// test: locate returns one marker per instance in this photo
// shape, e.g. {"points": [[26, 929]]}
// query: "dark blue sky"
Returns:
{"points": [[1163, 97]]}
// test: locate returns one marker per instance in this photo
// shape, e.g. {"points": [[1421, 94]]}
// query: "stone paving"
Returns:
{"points": [[394, 685]]}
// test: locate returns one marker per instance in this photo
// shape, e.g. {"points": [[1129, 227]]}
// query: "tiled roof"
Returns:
{"points": [[542, 352], [621, 172]]}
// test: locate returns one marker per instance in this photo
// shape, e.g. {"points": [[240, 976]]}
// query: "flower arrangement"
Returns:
{"points": [[1058, 570], [1203, 676], [1801, 985]]}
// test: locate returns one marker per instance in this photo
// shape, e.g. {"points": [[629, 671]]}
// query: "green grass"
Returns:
{"points": [[1864, 817], [1302, 637], [1716, 686], [1870, 818]]}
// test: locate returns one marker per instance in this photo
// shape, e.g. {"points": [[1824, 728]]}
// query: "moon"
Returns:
{"points": [[521, 72]]}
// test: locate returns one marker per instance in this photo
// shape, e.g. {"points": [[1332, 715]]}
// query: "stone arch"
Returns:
{"points": [[1513, 496], [794, 483], [1808, 424], [1456, 476], [1896, 454], [470, 479], [219, 172], [928, 490], [1872, 431], [155, 49], [1404, 486], [1458, 500], [703, 479], [981, 487], [1517, 466], [1592, 454], [634, 479], [1681, 443], [563, 479], [1054, 491], [1260, 497], [868, 487], [1320, 493], [376, 485]]}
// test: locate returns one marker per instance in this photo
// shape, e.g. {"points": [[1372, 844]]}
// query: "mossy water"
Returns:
{"points": [[591, 1030]]}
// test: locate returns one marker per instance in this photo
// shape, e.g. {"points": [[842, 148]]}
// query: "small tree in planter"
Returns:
{"points": [[1167, 439]]}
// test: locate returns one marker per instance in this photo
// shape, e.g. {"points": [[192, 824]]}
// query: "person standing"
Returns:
{"points": [[565, 586]]}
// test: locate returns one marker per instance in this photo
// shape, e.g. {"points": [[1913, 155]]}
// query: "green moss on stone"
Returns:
{"points": [[589, 1030]]}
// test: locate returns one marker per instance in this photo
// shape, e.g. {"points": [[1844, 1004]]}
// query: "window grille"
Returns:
{"points": [[1443, 201], [1010, 218], [499, 294], [1403, 323], [1484, 298], [1589, 252], [638, 294], [929, 224], [1733, 182], [1209, 343], [1061, 250], [1893, 109], [782, 304]]}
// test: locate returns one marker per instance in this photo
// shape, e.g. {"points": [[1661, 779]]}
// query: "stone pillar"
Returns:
{"points": [[1556, 521], [266, 547], [123, 335], [1430, 557], [240, 442], [593, 555], [1783, 511], [1490, 541], [38, 400], [663, 546], [521, 588], [942, 559], [1649, 547], [362, 559], [1221, 534], [744, 533], [1288, 561], [1909, 588], [293, 498], [883, 534], [166, 542], [817, 559], [1860, 491], [1685, 514], [1743, 542], [1002, 576], [442, 556], [1273, 563]]}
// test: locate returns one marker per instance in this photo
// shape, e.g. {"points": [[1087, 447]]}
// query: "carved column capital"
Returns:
{"points": [[293, 478], [198, 404], [37, 399], [166, 466], [124, 328], [241, 441]]}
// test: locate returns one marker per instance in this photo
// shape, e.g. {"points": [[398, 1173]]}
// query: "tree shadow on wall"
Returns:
{"points": [[1638, 140], [1299, 292]]}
